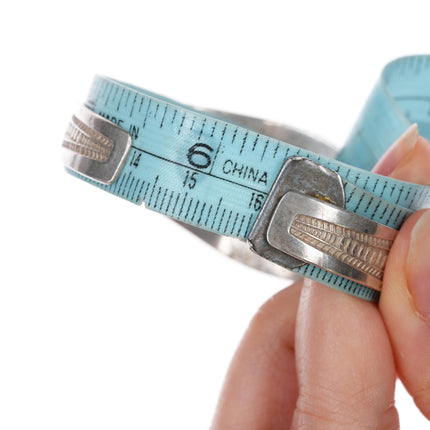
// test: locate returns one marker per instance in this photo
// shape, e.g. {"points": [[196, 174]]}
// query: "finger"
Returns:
{"points": [[344, 363], [405, 306], [345, 366], [407, 159], [260, 390], [405, 298], [397, 151]]}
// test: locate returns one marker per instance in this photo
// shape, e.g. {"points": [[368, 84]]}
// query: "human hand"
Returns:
{"points": [[317, 358]]}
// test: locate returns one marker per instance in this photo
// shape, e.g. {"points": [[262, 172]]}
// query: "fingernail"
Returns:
{"points": [[414, 166], [418, 265], [397, 151]]}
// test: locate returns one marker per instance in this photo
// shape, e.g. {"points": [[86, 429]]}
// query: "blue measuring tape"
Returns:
{"points": [[213, 173]]}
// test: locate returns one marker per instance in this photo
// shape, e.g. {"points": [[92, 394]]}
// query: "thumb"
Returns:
{"points": [[405, 297], [405, 306]]}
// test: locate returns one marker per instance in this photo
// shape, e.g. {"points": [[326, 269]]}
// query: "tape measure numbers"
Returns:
{"points": [[206, 171]]}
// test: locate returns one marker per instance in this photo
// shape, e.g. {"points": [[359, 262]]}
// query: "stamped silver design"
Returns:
{"points": [[331, 237], [86, 141], [95, 147], [362, 251]]}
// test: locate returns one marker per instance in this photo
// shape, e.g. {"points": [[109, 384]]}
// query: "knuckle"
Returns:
{"points": [[325, 405], [324, 408]]}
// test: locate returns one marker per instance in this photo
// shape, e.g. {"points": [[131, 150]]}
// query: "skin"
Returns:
{"points": [[317, 358]]}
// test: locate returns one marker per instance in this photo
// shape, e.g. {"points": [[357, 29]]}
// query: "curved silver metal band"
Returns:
{"points": [[302, 220], [233, 247]]}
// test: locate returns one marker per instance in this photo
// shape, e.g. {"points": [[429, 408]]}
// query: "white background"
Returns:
{"points": [[111, 316]]}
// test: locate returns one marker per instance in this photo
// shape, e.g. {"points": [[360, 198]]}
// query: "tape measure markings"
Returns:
{"points": [[393, 105], [197, 170], [201, 169], [215, 127], [234, 134]]}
